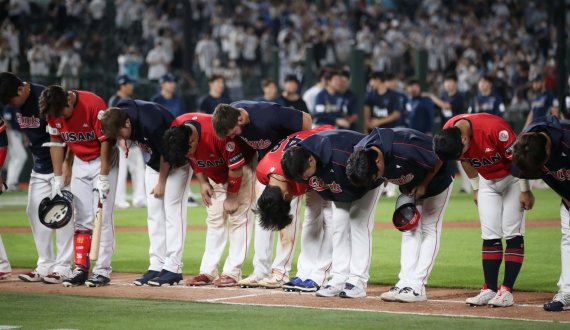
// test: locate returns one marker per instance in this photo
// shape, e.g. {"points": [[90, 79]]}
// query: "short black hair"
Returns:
{"points": [[322, 73], [175, 145], [447, 144], [345, 73], [450, 76], [488, 78], [9, 84], [291, 77], [379, 75], [295, 162], [361, 167], [273, 209], [224, 118], [52, 101], [329, 74], [412, 81], [529, 154], [390, 76]]}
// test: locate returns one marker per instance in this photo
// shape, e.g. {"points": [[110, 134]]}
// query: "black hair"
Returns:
{"points": [[447, 144], [379, 75], [450, 76], [9, 84], [529, 154], [175, 145], [361, 167], [295, 162], [273, 209], [52, 101]]}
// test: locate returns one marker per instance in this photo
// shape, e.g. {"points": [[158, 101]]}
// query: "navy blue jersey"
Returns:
{"points": [[209, 103], [328, 107], [349, 103], [268, 124], [403, 104], [332, 149], [9, 115], [114, 100], [542, 103], [422, 114], [381, 106], [149, 122], [491, 103], [408, 158], [298, 104], [558, 174], [457, 103], [174, 104], [28, 117]]}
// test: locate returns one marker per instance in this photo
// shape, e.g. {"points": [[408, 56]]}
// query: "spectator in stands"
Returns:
{"points": [[158, 62], [124, 90], [486, 99], [269, 87], [130, 62], [215, 96], [311, 94], [349, 101], [290, 97], [167, 96], [544, 101], [39, 58], [206, 51], [382, 107]]}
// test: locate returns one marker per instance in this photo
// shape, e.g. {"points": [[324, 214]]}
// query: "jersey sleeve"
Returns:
{"points": [[99, 106], [232, 153], [288, 118], [51, 128], [319, 104], [505, 137]]}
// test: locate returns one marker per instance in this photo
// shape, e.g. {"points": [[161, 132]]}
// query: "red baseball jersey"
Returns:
{"points": [[271, 163], [82, 131], [491, 146], [214, 156]]}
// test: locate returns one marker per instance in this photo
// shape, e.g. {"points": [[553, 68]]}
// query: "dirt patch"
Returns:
{"points": [[443, 302]]}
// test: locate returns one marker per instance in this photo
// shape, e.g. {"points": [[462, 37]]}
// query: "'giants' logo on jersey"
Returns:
{"points": [[404, 179], [27, 122], [78, 136], [208, 163], [562, 174], [319, 185], [485, 161], [259, 144]]}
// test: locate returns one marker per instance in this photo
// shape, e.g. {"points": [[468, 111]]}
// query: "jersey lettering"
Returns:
{"points": [[319, 185], [209, 163], [27, 122], [485, 161], [402, 180], [560, 175], [259, 144], [78, 136]]}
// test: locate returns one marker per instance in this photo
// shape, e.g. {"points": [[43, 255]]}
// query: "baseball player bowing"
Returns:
{"points": [[483, 142], [23, 97], [74, 119], [261, 125], [278, 206], [405, 158], [223, 167], [144, 123], [542, 151], [5, 268], [321, 161]]}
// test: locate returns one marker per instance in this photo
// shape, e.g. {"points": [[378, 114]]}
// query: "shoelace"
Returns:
{"points": [[348, 286], [564, 298], [395, 288]]}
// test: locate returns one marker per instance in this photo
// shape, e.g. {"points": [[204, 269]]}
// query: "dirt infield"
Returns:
{"points": [[442, 302]]}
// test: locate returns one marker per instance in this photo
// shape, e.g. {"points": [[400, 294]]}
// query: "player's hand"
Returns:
{"points": [[56, 186], [158, 190], [475, 193], [419, 191], [527, 200], [207, 193], [231, 203], [103, 187]]}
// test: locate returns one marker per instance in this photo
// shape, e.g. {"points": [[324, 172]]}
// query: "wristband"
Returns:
{"points": [[474, 183], [234, 182], [523, 183]]}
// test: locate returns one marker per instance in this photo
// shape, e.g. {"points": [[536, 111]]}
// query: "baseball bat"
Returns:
{"points": [[96, 239]]}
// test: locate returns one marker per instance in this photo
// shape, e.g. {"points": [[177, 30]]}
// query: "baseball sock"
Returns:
{"points": [[514, 256], [82, 245], [492, 256]]}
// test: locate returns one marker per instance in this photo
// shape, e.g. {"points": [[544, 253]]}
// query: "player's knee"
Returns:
{"points": [[515, 242]]}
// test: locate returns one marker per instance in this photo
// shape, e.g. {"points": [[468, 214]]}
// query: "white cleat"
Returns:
{"points": [[482, 298], [409, 295], [391, 294], [503, 298]]}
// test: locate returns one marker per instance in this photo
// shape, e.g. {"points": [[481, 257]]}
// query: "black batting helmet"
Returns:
{"points": [[406, 216], [57, 212]]}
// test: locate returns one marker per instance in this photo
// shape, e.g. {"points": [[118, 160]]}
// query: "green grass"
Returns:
{"points": [[50, 311]]}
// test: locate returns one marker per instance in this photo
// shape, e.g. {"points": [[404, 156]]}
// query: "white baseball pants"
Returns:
{"points": [[17, 157], [4, 263], [564, 282], [136, 166]]}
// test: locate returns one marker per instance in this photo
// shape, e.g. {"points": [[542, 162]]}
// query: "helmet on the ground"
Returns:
{"points": [[57, 212], [406, 216]]}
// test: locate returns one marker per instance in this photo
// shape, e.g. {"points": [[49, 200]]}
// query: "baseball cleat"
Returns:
{"points": [[328, 291], [30, 277], [4, 275], [54, 278], [77, 278], [166, 277], [409, 295], [252, 281], [292, 285], [482, 298], [274, 281], [352, 291], [149, 275], [560, 302], [391, 294], [198, 280], [503, 298], [97, 281], [225, 281], [307, 285]]}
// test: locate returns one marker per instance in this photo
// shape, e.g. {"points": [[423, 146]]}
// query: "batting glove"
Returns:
{"points": [[56, 186], [103, 186]]}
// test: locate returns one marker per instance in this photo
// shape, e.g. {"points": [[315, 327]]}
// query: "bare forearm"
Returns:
{"points": [[163, 170]]}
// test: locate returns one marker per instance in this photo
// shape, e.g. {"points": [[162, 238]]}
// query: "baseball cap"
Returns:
{"points": [[123, 79], [537, 77], [167, 78]]}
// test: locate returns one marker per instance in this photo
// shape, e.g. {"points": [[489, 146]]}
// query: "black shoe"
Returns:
{"points": [[166, 277], [149, 275], [77, 278], [97, 280], [560, 302]]}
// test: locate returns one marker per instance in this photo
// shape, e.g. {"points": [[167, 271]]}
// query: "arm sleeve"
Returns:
{"points": [[288, 118], [232, 153], [51, 129], [506, 138], [99, 106], [319, 106]]}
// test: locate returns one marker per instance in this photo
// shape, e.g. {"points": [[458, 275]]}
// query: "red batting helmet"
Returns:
{"points": [[406, 216]]}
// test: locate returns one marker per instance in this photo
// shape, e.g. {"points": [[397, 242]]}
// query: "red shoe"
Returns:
{"points": [[198, 280], [225, 281], [4, 275]]}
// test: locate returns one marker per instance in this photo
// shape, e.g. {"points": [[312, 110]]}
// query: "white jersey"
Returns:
{"points": [[310, 97]]}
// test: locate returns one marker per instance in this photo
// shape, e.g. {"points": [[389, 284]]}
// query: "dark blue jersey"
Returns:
{"points": [[9, 115], [457, 103], [422, 115], [209, 103], [114, 100], [349, 103], [542, 103], [149, 122], [28, 117], [491, 103], [403, 104], [408, 158], [332, 149], [268, 124], [557, 175], [174, 104], [328, 107], [382, 106]]}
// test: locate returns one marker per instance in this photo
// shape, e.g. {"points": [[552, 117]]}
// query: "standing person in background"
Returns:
{"points": [[328, 108], [310, 94], [158, 62], [393, 84], [215, 96], [269, 87], [129, 63], [134, 163], [289, 97], [382, 106], [422, 115], [486, 99], [544, 102], [349, 99], [18, 155]]}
